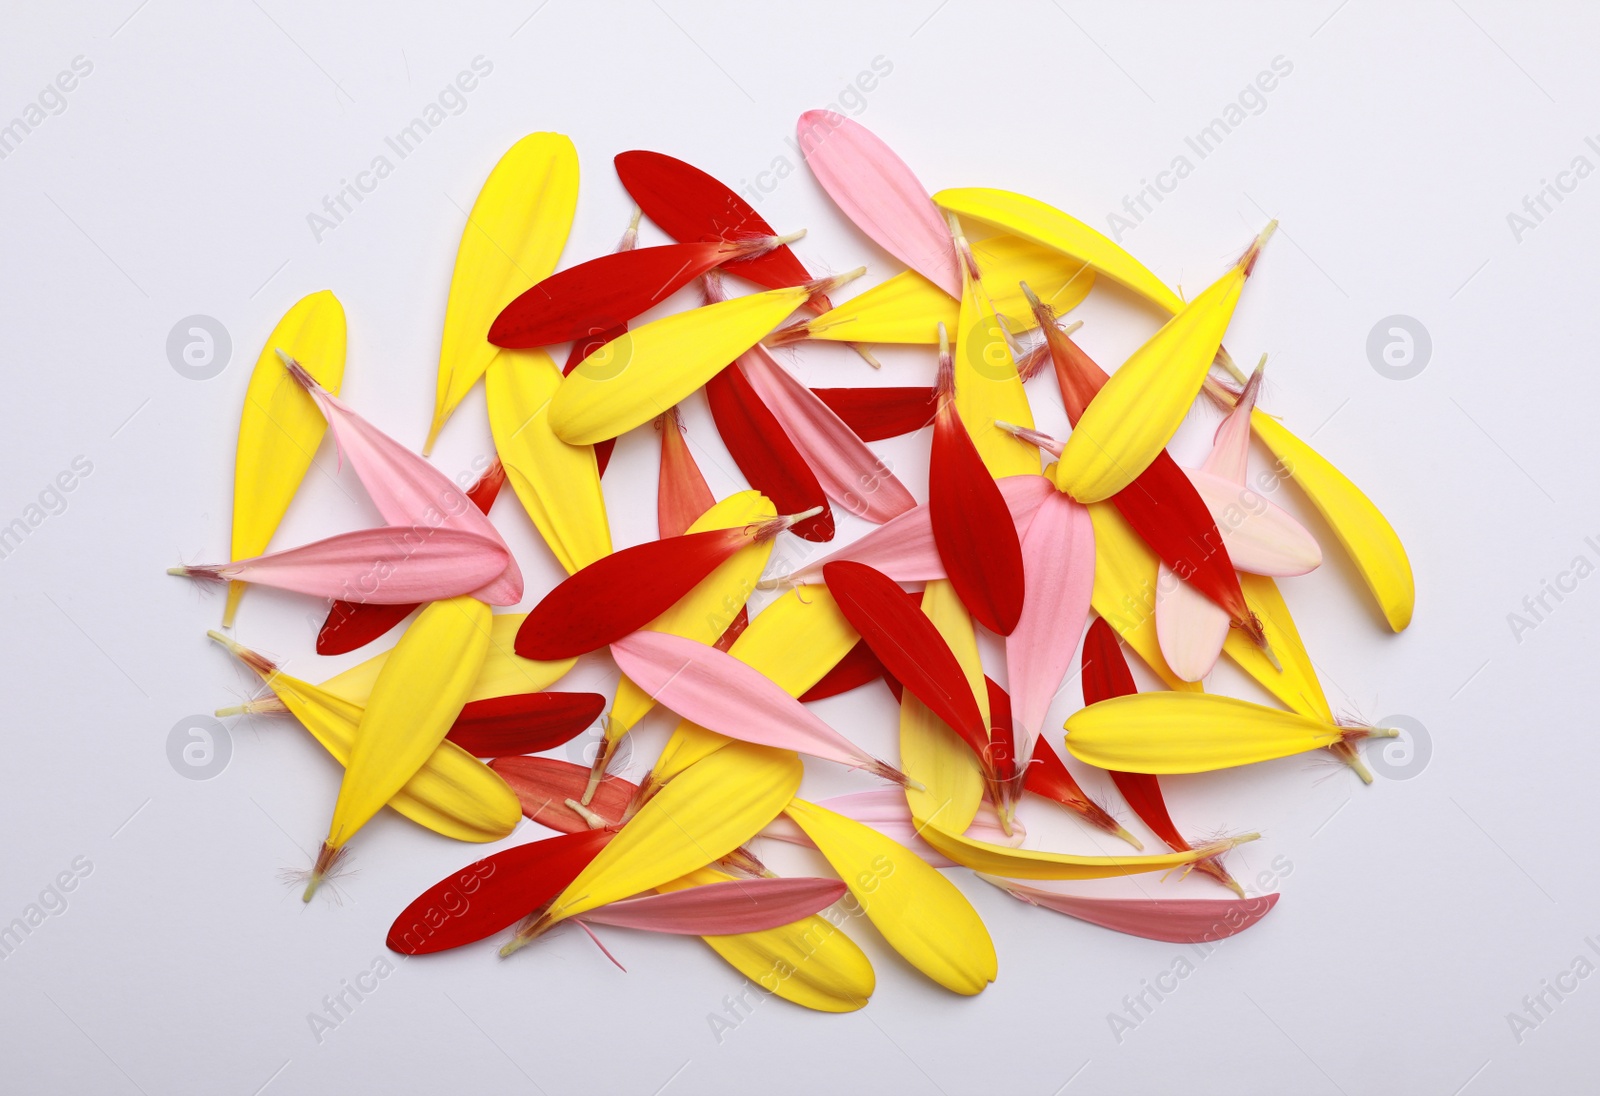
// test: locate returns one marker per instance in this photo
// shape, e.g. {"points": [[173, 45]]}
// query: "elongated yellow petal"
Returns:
{"points": [[1190, 733], [1032, 864], [698, 817], [1296, 685], [1132, 418], [811, 962], [558, 484], [637, 376], [1125, 576], [705, 612], [453, 794], [280, 426], [422, 689], [930, 752], [795, 641], [1047, 226], [503, 671], [920, 913], [1363, 530], [988, 388], [513, 238]]}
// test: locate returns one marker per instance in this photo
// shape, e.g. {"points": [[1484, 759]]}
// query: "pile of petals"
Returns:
{"points": [[1070, 551]]}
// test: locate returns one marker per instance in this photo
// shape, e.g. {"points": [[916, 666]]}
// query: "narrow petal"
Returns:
{"points": [[722, 909], [1175, 920]]}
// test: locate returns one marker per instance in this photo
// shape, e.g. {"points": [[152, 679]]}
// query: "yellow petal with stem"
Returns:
{"points": [[922, 915], [908, 308], [280, 426], [707, 610], [503, 672], [1047, 226], [1125, 575], [698, 817], [1194, 733], [1296, 685], [794, 641], [1033, 864], [558, 484], [988, 388], [453, 794], [414, 702], [931, 753], [811, 962], [1131, 420], [638, 375], [513, 237], [1363, 530]]}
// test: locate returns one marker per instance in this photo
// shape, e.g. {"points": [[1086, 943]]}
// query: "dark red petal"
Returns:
{"points": [[493, 893], [879, 413], [972, 528], [854, 670], [1002, 733], [524, 722], [544, 784], [765, 454]]}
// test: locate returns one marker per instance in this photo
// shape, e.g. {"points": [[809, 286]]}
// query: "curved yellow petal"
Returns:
{"points": [[558, 484], [811, 962], [931, 753], [280, 426], [1047, 226], [1296, 685], [705, 612], [922, 915], [512, 239], [1032, 864], [1190, 733], [988, 388], [413, 704], [638, 375], [1125, 575], [503, 671], [1363, 530], [698, 817]]}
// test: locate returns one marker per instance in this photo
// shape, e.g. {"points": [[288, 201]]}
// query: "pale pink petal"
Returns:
{"points": [[722, 909], [1230, 447], [1261, 537], [1190, 627], [1175, 920], [886, 810]]}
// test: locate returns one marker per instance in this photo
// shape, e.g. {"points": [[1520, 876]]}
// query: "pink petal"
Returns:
{"points": [[723, 909], [1261, 537], [1190, 627], [1175, 920], [1230, 446], [886, 810]]}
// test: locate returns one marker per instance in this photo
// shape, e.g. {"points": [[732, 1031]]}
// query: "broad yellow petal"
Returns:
{"points": [[1190, 733], [558, 484], [513, 238], [1125, 576], [930, 752], [988, 388], [1032, 864], [1296, 685]]}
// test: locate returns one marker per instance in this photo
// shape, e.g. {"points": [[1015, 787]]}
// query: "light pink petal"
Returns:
{"points": [[391, 565], [722, 694], [1261, 537], [1190, 627], [903, 547], [723, 909], [1230, 447], [886, 810], [1058, 569], [406, 489], [880, 194], [1175, 920], [851, 474]]}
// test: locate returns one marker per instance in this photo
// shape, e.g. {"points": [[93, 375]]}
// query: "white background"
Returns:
{"points": [[1416, 914]]}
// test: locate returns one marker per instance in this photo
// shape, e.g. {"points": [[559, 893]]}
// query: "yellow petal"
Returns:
{"points": [[920, 913], [558, 484], [1190, 733], [1032, 864], [1363, 530], [698, 817], [415, 700], [930, 752], [1132, 418], [1047, 226], [637, 376], [1296, 684], [280, 426], [988, 388], [503, 671], [513, 238], [707, 610], [811, 962], [1125, 575], [795, 641]]}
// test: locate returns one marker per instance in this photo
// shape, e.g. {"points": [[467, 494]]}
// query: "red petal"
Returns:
{"points": [[765, 454], [681, 491], [493, 893], [544, 784], [351, 625], [972, 527], [524, 722], [908, 645], [879, 413], [854, 670]]}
